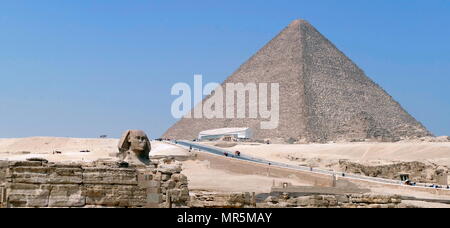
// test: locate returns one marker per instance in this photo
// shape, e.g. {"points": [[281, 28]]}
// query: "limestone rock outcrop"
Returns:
{"points": [[222, 200], [417, 171], [335, 201]]}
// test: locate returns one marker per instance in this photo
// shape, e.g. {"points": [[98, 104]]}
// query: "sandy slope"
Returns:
{"points": [[43, 147], [366, 153], [360, 152], [200, 176]]}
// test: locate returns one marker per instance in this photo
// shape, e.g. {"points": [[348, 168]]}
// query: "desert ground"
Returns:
{"points": [[203, 178], [327, 155]]}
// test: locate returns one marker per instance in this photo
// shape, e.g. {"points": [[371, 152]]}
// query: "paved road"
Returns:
{"points": [[221, 152]]}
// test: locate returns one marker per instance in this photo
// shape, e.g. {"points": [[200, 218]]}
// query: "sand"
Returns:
{"points": [[201, 177], [324, 155], [43, 147], [422, 204]]}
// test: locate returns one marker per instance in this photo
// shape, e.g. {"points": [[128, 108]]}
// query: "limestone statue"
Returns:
{"points": [[135, 147]]}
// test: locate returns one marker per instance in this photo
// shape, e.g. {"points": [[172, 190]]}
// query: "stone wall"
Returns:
{"points": [[396, 187], [288, 200], [98, 184], [3, 166], [334, 201], [222, 200], [418, 171]]}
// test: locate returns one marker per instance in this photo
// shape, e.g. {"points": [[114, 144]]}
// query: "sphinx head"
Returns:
{"points": [[135, 144]]}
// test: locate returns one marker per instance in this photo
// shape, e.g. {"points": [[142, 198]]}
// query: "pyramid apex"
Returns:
{"points": [[297, 22]]}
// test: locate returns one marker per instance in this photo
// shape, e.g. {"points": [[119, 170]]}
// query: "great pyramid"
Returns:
{"points": [[324, 96]]}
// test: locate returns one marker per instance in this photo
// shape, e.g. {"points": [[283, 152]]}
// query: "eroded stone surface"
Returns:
{"points": [[98, 184], [134, 147], [335, 201]]}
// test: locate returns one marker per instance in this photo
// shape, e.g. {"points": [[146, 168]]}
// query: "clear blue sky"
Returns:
{"points": [[84, 68]]}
